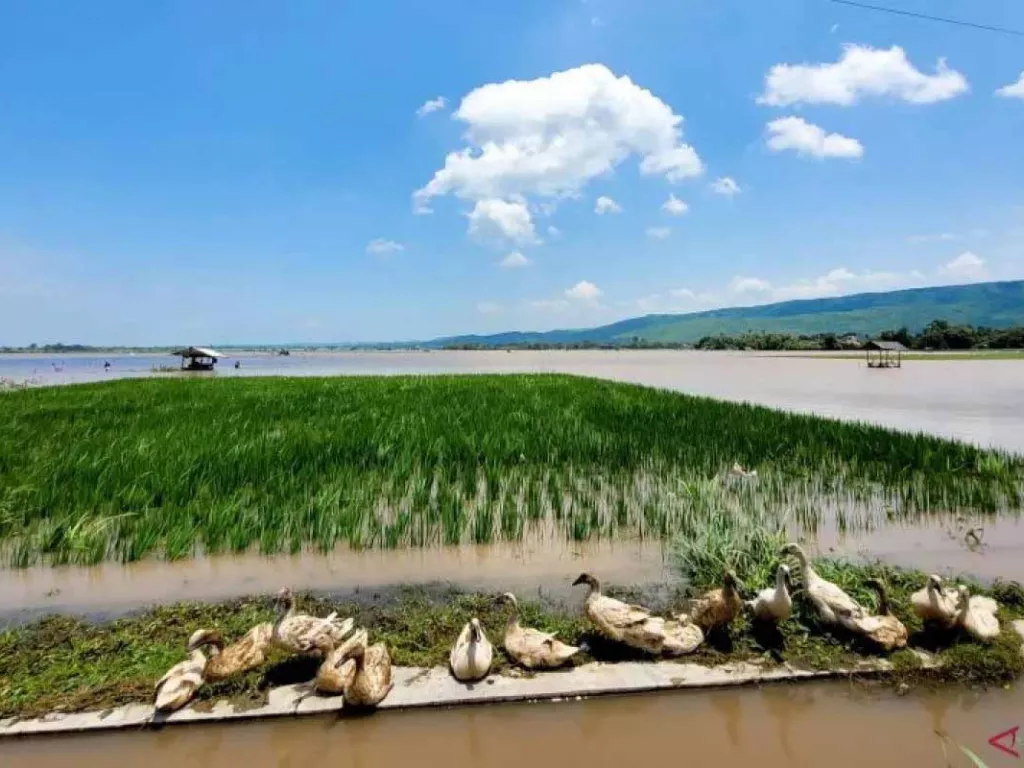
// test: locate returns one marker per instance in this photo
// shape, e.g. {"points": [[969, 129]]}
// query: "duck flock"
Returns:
{"points": [[361, 673]]}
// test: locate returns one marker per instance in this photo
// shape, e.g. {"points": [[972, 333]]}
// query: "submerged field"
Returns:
{"points": [[126, 469]]}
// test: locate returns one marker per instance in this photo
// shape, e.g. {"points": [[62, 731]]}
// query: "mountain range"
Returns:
{"points": [[996, 305]]}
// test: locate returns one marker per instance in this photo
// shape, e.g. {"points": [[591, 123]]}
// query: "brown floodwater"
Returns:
{"points": [[545, 565], [838, 725]]}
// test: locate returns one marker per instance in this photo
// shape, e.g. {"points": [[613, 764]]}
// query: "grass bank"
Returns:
{"points": [[125, 469], [68, 664]]}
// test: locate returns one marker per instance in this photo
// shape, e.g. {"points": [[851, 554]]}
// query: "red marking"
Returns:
{"points": [[996, 741]]}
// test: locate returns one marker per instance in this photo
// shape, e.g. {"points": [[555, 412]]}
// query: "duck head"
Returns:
{"points": [[475, 630], [590, 581], [203, 637], [934, 582], [507, 599]]}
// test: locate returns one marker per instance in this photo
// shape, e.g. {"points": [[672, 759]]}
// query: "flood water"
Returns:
{"points": [[979, 401], [838, 725]]}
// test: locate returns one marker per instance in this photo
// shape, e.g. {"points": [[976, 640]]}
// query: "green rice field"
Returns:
{"points": [[172, 468]]}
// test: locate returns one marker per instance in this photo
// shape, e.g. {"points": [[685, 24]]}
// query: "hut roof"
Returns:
{"points": [[891, 346], [197, 352]]}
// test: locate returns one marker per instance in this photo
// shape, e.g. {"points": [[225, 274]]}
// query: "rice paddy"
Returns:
{"points": [[172, 468]]}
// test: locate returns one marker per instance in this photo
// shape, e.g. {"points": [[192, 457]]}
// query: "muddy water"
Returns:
{"points": [[806, 725], [547, 565], [980, 401]]}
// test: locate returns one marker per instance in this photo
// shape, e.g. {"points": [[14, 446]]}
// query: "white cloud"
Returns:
{"points": [[841, 281], [431, 105], [725, 186], [495, 218], [940, 236], [584, 290], [380, 246], [551, 136], [834, 28], [549, 305], [674, 206], [515, 260], [488, 307], [606, 205], [805, 138], [658, 233], [554, 231], [967, 266], [861, 71], [1013, 90], [743, 285]]}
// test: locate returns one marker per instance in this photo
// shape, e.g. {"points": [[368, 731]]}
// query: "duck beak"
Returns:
{"points": [[581, 579]]}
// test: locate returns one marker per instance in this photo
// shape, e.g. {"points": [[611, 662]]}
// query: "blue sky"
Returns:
{"points": [[238, 172]]}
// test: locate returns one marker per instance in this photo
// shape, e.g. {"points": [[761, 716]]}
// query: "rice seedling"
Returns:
{"points": [[129, 469]]}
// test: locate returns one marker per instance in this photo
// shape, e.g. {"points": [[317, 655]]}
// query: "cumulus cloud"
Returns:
{"points": [[795, 133], [551, 136], [493, 218], [1013, 90], [381, 246], [554, 231], [861, 71], [515, 260], [967, 266], [584, 290], [725, 186], [658, 233], [939, 236], [488, 307], [431, 105], [674, 206], [606, 205], [741, 285]]}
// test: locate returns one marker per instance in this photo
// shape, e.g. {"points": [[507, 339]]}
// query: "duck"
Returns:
{"points": [[718, 607], [635, 626], [177, 687], [371, 680], [977, 615], [472, 654], [738, 471], [613, 618], [302, 633], [828, 599], [774, 604], [532, 648], [935, 604], [337, 671], [247, 653], [883, 629]]}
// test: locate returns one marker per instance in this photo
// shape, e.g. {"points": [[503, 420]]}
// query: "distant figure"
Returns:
{"points": [[238, 364], [106, 365]]}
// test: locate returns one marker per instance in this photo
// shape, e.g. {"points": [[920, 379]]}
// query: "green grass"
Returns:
{"points": [[122, 470], [975, 354], [69, 664]]}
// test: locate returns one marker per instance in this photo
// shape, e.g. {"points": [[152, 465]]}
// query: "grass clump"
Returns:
{"points": [[125, 469]]}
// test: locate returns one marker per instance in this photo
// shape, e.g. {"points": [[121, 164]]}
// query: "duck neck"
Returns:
{"points": [[780, 581], [801, 559], [883, 599]]}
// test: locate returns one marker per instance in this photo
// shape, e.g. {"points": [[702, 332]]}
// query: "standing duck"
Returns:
{"points": [[718, 607], [472, 654], [302, 633], [530, 647], [337, 671], [247, 653], [613, 618], [774, 604], [176, 688], [935, 604], [371, 681], [829, 600], [977, 615]]}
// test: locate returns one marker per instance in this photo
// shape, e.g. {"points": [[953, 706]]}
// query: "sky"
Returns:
{"points": [[256, 172]]}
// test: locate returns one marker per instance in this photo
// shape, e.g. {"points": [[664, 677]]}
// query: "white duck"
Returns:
{"points": [[977, 615], [935, 604], [613, 618], [176, 688], [302, 633], [532, 648], [774, 604], [883, 628], [472, 654], [830, 601]]}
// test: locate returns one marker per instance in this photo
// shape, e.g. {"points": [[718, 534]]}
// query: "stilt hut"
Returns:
{"points": [[197, 358], [884, 354]]}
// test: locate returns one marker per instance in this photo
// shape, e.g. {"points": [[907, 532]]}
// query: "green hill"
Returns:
{"points": [[996, 305]]}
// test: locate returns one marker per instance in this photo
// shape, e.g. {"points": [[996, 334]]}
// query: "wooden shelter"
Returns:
{"points": [[197, 358], [884, 354]]}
